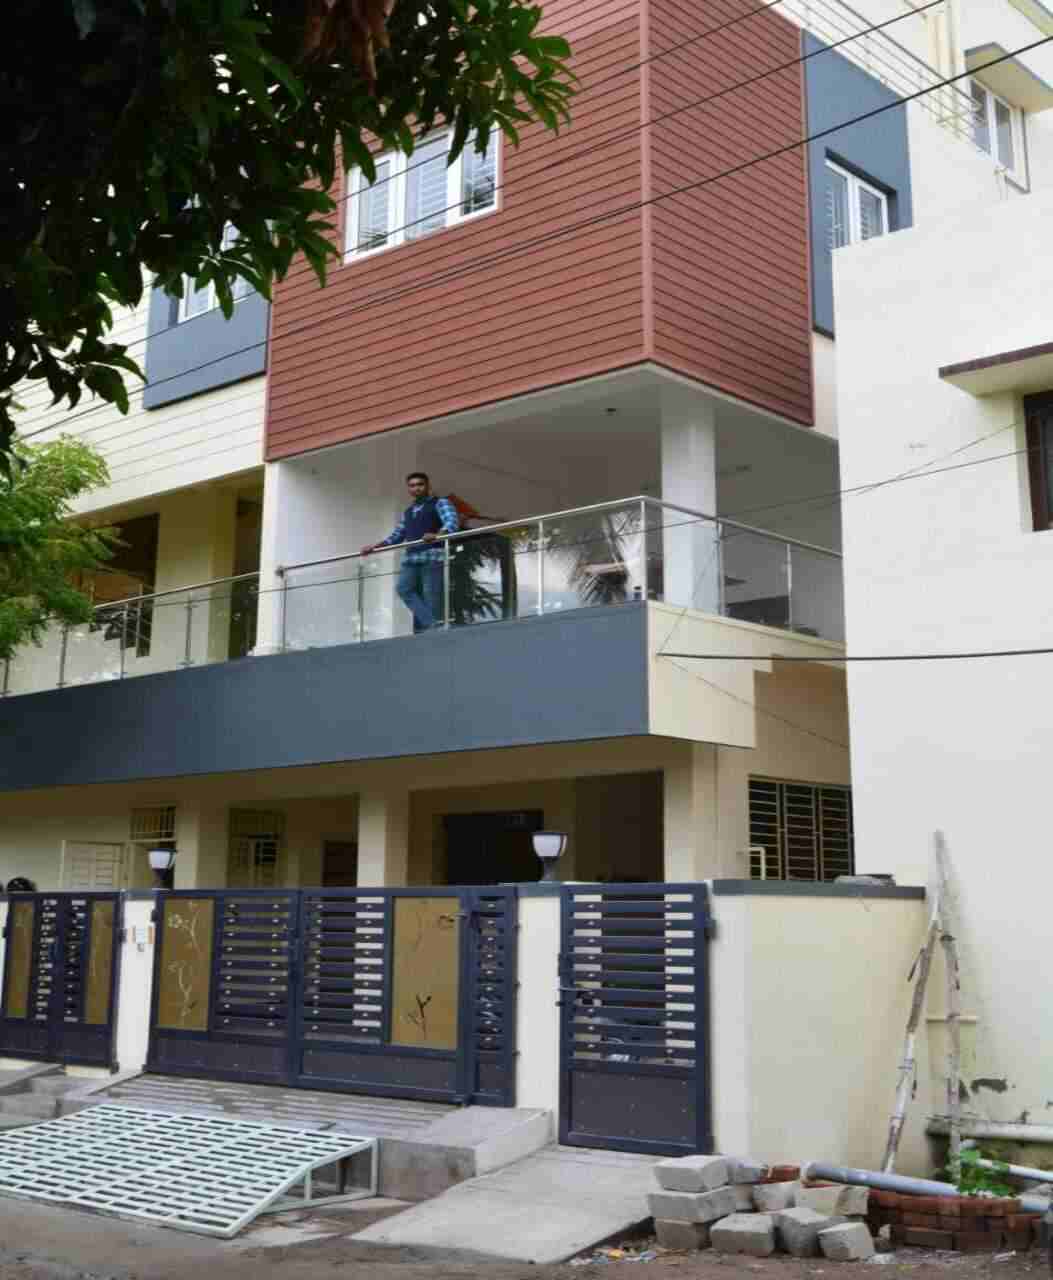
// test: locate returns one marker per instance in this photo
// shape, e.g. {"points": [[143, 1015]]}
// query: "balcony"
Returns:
{"points": [[633, 550]]}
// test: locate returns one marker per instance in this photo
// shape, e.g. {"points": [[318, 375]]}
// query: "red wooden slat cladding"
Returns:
{"points": [[731, 298], [563, 310], [713, 284]]}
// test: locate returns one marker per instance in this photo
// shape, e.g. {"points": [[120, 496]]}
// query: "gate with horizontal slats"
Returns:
{"points": [[59, 998], [633, 1042], [397, 992]]}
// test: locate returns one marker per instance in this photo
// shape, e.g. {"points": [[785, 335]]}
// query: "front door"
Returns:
{"points": [[60, 977], [406, 993]]}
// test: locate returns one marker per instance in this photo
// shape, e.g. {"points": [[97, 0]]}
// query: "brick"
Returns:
{"points": [[751, 1233], [797, 1230], [681, 1235], [927, 1238], [770, 1197], [1018, 1239], [930, 1221], [686, 1206], [846, 1243], [784, 1173], [1021, 1221], [898, 1234], [692, 1173], [886, 1199], [743, 1171], [823, 1199]]}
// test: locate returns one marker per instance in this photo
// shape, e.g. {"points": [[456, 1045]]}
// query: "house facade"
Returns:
{"points": [[620, 347]]}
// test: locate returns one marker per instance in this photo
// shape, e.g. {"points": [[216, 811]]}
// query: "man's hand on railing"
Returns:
{"points": [[368, 549]]}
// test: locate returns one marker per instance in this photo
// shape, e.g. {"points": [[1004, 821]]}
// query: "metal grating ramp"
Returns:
{"points": [[199, 1173]]}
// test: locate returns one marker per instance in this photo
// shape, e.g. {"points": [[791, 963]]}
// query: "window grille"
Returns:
{"points": [[153, 824], [804, 829]]}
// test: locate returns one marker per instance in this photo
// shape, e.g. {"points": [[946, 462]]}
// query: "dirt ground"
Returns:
{"points": [[42, 1243]]}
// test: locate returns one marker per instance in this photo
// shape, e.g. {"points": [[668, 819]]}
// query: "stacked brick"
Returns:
{"points": [[742, 1206], [970, 1224]]}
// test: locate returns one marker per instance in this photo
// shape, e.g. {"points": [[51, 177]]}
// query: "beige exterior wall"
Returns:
{"points": [[809, 1002], [151, 451]]}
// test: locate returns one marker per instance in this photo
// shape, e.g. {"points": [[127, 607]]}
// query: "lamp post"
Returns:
{"points": [[549, 847], [162, 864]]}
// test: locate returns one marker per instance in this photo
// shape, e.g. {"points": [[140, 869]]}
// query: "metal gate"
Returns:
{"points": [[60, 977], [633, 1037], [406, 993]]}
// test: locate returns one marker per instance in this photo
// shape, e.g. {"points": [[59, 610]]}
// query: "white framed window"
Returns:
{"points": [[196, 301], [855, 210], [998, 129], [414, 196]]}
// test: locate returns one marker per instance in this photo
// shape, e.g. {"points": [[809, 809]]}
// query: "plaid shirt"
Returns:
{"points": [[450, 523]]}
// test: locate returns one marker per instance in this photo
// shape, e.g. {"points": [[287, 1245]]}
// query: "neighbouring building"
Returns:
{"points": [[621, 347]]}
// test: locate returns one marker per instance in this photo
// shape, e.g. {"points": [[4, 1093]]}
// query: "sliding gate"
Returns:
{"points": [[633, 1040], [406, 993], [60, 961]]}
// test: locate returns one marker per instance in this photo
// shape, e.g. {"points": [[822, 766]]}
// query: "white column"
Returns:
{"points": [[269, 614], [383, 838], [689, 479], [537, 1013], [691, 806], [135, 976], [202, 845]]}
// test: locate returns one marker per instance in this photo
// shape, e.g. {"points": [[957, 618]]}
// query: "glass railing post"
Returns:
{"points": [[722, 586], [124, 637], [361, 602], [446, 603], [541, 566], [188, 638], [63, 646], [789, 587], [644, 575], [284, 606]]}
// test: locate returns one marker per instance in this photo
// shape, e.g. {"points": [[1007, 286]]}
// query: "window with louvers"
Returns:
{"points": [[804, 830]]}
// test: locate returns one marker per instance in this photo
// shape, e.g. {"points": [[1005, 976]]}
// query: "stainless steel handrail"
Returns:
{"points": [[174, 591], [282, 570]]}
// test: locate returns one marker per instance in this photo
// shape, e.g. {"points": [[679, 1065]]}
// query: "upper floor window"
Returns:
{"points": [[197, 300], [998, 129], [855, 209], [415, 195]]}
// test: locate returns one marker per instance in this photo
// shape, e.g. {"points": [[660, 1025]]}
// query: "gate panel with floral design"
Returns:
{"points": [[398, 992], [59, 998]]}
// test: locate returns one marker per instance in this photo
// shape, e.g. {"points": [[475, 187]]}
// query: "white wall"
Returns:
{"points": [[219, 433], [949, 564]]}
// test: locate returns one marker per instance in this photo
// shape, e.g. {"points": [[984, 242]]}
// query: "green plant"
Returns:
{"points": [[973, 1179]]}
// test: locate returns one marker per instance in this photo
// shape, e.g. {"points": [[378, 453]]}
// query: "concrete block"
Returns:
{"points": [[770, 1197], [743, 1199], [687, 1206], [821, 1199], [854, 1202], [797, 1230], [743, 1170], [847, 1243], [692, 1173], [54, 1086], [681, 1235], [752, 1233]]}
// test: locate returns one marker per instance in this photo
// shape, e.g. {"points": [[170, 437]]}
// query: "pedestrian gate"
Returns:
{"points": [[633, 1041], [60, 977], [406, 993]]}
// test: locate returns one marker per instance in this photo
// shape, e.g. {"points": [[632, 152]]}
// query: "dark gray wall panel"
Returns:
{"points": [[205, 352], [876, 150], [560, 679]]}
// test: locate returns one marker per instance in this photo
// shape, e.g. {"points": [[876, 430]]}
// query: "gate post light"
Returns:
{"points": [[162, 864], [549, 847]]}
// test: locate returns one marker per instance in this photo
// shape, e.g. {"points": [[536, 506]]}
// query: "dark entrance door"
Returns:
{"points": [[398, 992], [60, 977], [492, 848], [633, 1038]]}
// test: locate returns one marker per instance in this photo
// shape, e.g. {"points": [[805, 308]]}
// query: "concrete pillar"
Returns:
{"points": [[689, 479], [269, 613], [202, 846], [383, 839], [691, 813], [537, 1010]]}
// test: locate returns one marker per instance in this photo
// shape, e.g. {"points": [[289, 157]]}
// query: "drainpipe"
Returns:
{"points": [[1012, 1170], [993, 1129], [897, 1182]]}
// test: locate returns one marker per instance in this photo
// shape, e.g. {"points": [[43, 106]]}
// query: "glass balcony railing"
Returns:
{"points": [[145, 634], [612, 553], [635, 549]]}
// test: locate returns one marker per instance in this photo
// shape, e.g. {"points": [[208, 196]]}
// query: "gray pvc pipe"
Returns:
{"points": [[899, 1182], [995, 1129]]}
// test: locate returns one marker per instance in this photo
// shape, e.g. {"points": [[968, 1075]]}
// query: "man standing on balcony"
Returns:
{"points": [[426, 519]]}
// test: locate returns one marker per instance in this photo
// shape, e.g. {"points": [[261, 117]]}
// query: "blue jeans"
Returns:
{"points": [[420, 590]]}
